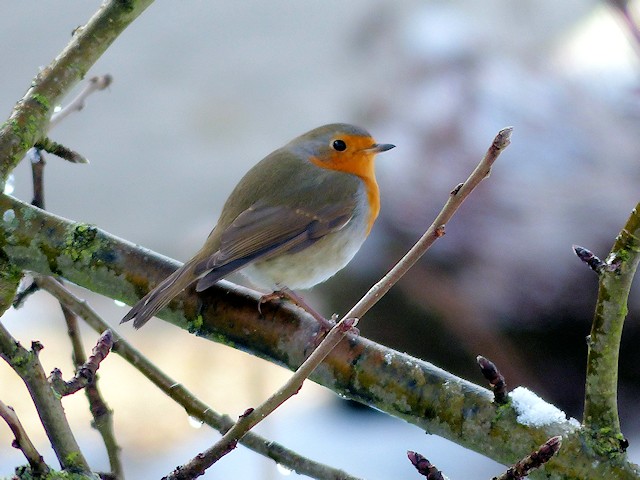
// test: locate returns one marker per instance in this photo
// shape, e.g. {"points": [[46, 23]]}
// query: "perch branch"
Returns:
{"points": [[23, 442], [192, 405], [601, 420], [402, 386]]}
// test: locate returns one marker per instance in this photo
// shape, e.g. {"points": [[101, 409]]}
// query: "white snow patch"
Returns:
{"points": [[533, 411]]}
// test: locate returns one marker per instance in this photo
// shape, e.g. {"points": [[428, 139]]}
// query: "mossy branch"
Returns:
{"points": [[27, 364], [396, 383], [28, 123], [601, 422]]}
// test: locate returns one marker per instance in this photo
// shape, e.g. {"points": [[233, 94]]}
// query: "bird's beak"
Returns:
{"points": [[380, 147]]}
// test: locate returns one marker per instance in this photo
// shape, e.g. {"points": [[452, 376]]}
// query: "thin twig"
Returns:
{"points": [[102, 414], [252, 417], [60, 150], [495, 379], [27, 364], [37, 173], [539, 457], [23, 442], [192, 405], [601, 420], [95, 84], [85, 374]]}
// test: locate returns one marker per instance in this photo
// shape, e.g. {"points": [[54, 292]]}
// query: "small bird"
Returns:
{"points": [[294, 220]]}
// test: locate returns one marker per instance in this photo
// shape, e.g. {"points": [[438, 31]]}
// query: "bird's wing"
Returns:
{"points": [[262, 231]]}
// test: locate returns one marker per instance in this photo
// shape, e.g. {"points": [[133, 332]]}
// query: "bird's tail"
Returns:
{"points": [[161, 295]]}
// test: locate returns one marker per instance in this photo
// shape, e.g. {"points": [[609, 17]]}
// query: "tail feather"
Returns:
{"points": [[161, 295]]}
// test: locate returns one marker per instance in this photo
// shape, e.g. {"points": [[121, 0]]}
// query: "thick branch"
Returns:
{"points": [[28, 122], [396, 383], [601, 404]]}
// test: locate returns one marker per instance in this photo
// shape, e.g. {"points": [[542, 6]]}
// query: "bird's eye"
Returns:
{"points": [[339, 145]]}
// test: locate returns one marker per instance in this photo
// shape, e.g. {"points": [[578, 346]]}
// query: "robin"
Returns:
{"points": [[294, 220]]}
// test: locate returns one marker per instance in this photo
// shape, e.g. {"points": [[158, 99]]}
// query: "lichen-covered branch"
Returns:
{"points": [[396, 383], [29, 120], [601, 422], [27, 365]]}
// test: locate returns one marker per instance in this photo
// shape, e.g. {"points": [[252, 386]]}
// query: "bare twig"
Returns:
{"points": [[495, 378], [436, 230], [542, 455], [23, 442], [424, 466], [601, 420], [252, 417], [192, 405], [37, 173], [95, 84], [102, 414], [85, 375]]}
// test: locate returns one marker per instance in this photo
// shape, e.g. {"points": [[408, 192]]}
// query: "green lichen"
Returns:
{"points": [[196, 324], [42, 101], [73, 459], [606, 443], [21, 360], [80, 244], [24, 472]]}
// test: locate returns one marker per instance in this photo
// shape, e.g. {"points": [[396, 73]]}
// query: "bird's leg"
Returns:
{"points": [[284, 293]]}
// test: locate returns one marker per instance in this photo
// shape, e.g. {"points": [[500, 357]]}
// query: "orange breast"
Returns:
{"points": [[359, 162]]}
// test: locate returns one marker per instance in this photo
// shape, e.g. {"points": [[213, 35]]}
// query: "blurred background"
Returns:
{"points": [[203, 90]]}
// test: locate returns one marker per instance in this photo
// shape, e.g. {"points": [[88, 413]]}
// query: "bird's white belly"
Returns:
{"points": [[314, 264]]}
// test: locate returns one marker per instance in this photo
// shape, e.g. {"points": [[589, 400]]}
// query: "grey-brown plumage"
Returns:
{"points": [[287, 212]]}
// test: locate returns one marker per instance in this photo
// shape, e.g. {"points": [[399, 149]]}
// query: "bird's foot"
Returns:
{"points": [[285, 293]]}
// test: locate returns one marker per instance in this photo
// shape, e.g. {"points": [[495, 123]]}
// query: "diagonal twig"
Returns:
{"points": [[252, 417], [23, 442], [95, 84], [192, 405]]}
